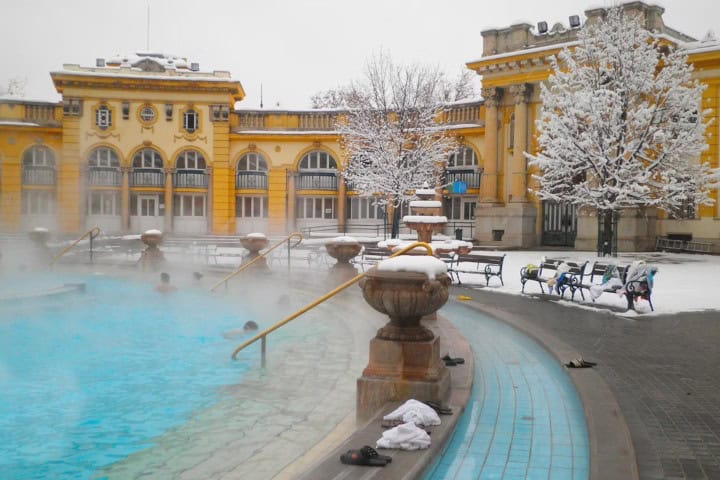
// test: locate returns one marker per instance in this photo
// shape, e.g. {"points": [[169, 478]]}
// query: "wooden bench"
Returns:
{"points": [[548, 270], [487, 265], [595, 278]]}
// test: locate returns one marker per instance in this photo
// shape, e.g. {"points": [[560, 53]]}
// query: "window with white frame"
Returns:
{"points": [[317, 160], [316, 207], [252, 162], [38, 202], [185, 205], [147, 158], [464, 157], [103, 157], [460, 208], [104, 203], [364, 208], [190, 160], [38, 156], [190, 121], [251, 207], [147, 114], [103, 117]]}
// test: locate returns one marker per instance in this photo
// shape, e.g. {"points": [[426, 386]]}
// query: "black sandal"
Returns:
{"points": [[452, 361]]}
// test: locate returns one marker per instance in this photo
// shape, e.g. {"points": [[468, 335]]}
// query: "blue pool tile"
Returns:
{"points": [[496, 460], [557, 473], [536, 473], [492, 473]]}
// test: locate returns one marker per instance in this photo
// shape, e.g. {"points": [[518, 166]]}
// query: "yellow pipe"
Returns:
{"points": [[93, 231], [262, 255], [315, 303]]}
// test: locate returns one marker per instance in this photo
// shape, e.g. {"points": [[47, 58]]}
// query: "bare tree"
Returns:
{"points": [[391, 136]]}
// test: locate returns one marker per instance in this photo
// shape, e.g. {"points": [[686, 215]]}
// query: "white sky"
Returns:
{"points": [[295, 48]]}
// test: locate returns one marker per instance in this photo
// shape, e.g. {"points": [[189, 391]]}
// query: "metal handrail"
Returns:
{"points": [[261, 255], [93, 232], [335, 291]]}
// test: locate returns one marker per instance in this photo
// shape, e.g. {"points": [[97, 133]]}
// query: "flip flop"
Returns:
{"points": [[370, 452], [452, 361], [362, 457], [391, 423]]}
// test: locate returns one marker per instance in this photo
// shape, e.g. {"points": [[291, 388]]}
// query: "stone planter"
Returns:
{"points": [[405, 297], [404, 360], [39, 236], [253, 244], [151, 257], [425, 229], [343, 252]]}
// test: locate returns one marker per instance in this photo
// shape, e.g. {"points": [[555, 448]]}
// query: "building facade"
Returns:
{"points": [[151, 141]]}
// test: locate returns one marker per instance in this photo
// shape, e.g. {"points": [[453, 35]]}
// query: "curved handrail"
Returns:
{"points": [[93, 232], [315, 303], [262, 255]]}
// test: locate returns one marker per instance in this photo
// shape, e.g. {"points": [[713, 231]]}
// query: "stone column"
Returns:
{"points": [[518, 169], [168, 199], [341, 203], [125, 199], [209, 200], [488, 187]]}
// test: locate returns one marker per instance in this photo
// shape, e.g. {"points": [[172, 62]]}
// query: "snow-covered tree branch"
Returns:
{"points": [[620, 125], [392, 141]]}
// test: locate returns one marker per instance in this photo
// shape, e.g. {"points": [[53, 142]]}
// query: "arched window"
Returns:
{"points": [[103, 157], [251, 172], [103, 167], [190, 160], [463, 157], [317, 160], [38, 166], [147, 158], [252, 162], [38, 156]]}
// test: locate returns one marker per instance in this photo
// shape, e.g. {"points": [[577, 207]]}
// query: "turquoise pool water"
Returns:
{"points": [[88, 378], [524, 419]]}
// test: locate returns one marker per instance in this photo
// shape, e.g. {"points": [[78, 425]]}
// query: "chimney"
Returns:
{"points": [[99, 62], [195, 67]]}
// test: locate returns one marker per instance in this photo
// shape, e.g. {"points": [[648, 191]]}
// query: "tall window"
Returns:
{"points": [[460, 208], [189, 205], [147, 158], [38, 202], [316, 207], [251, 207], [190, 121], [103, 117], [317, 160], [190, 160], [364, 208], [103, 157], [463, 157], [104, 203]]}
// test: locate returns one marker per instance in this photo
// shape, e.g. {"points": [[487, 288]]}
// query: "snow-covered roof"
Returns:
{"points": [[708, 44], [11, 123], [524, 51], [286, 132]]}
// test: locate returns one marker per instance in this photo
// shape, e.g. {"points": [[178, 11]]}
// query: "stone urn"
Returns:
{"points": [[405, 297], [152, 257], [343, 249], [404, 360], [425, 225], [39, 236], [253, 243]]}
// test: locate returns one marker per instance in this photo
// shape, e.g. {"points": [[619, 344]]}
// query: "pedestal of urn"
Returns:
{"points": [[253, 244], [425, 229], [152, 257], [404, 357]]}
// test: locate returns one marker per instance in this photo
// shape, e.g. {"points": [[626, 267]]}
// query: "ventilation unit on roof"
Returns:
{"points": [[542, 27], [574, 21], [195, 67], [99, 62]]}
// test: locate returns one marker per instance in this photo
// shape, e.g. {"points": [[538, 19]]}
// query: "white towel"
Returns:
{"points": [[407, 436], [416, 412]]}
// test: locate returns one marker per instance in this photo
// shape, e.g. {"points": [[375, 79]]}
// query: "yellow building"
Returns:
{"points": [[151, 141]]}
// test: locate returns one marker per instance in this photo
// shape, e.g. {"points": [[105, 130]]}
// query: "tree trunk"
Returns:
{"points": [[395, 233], [607, 233]]}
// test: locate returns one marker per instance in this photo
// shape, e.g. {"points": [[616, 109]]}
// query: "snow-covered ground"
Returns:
{"points": [[684, 282]]}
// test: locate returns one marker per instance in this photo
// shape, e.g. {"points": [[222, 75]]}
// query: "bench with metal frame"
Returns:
{"points": [[486, 265]]}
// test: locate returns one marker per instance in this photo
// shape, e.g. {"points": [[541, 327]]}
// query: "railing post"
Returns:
{"points": [[91, 248], [263, 350]]}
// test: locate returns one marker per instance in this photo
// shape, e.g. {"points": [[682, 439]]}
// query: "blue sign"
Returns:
{"points": [[459, 187]]}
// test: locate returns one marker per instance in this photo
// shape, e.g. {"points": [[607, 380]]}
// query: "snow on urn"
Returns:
{"points": [[151, 257], [253, 243]]}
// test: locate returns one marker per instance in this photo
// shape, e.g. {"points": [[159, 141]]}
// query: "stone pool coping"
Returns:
{"points": [[612, 454]]}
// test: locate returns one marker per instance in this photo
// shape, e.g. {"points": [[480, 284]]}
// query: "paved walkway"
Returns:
{"points": [[663, 370]]}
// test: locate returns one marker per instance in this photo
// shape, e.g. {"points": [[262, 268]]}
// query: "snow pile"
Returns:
{"points": [[425, 219], [152, 232], [426, 203], [344, 240], [255, 235], [426, 264]]}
